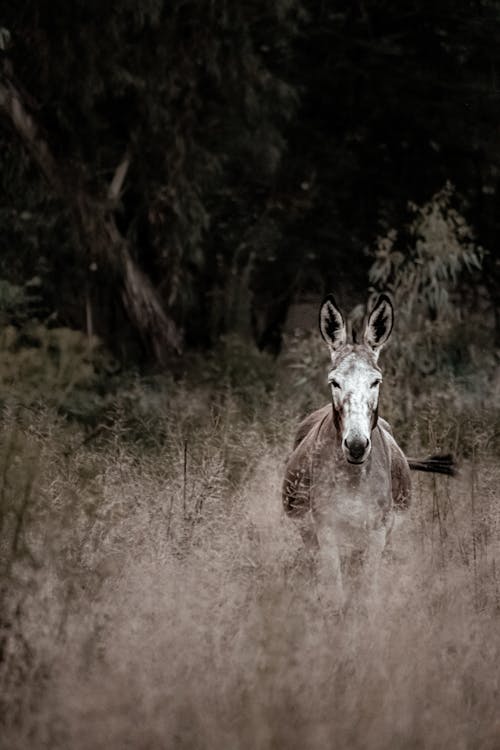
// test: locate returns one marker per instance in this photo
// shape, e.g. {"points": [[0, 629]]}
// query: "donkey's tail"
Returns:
{"points": [[441, 464]]}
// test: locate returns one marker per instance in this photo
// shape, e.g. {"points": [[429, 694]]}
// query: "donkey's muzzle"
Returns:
{"points": [[356, 449]]}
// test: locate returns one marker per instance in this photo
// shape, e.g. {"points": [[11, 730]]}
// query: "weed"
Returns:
{"points": [[154, 596]]}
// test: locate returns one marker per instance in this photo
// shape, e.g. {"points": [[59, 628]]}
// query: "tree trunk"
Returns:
{"points": [[97, 229]]}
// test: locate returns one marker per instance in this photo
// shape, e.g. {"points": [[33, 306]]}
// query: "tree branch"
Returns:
{"points": [[12, 106], [116, 184], [97, 228]]}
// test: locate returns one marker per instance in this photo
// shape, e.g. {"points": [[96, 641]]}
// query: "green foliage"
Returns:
{"points": [[12, 297], [199, 104], [37, 360], [425, 266], [422, 276], [268, 145], [41, 361]]}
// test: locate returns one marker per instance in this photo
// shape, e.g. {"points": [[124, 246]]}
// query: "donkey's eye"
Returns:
{"points": [[375, 383], [334, 383]]}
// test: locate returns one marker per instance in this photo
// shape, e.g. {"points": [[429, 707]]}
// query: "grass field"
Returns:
{"points": [[154, 596]]}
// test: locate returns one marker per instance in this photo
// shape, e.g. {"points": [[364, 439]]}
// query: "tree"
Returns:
{"points": [[265, 147], [186, 95]]}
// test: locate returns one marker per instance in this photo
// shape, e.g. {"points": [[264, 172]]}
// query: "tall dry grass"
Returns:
{"points": [[154, 596]]}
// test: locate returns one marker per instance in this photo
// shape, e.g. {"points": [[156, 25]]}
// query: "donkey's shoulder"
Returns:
{"points": [[310, 422], [385, 431], [297, 483], [400, 470], [385, 426]]}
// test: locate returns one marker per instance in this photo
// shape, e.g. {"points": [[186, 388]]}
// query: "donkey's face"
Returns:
{"points": [[355, 377]]}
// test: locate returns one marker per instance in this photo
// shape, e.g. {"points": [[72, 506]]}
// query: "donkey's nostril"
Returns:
{"points": [[357, 447]]}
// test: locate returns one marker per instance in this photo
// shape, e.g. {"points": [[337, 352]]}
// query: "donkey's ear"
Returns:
{"points": [[331, 324], [380, 322]]}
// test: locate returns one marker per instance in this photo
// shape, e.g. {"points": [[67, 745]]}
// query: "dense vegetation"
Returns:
{"points": [[153, 595], [172, 172]]}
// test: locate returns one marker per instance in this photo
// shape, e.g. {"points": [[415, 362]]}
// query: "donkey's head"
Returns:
{"points": [[354, 377]]}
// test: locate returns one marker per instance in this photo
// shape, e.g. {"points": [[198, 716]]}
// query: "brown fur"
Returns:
{"points": [[300, 466]]}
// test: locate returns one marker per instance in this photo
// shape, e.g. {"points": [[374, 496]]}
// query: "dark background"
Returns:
{"points": [[258, 150]]}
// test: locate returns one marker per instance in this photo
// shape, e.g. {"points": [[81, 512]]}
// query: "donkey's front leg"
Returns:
{"points": [[331, 589], [308, 534], [369, 575]]}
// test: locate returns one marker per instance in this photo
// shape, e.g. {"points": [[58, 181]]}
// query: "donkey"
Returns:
{"points": [[346, 476]]}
